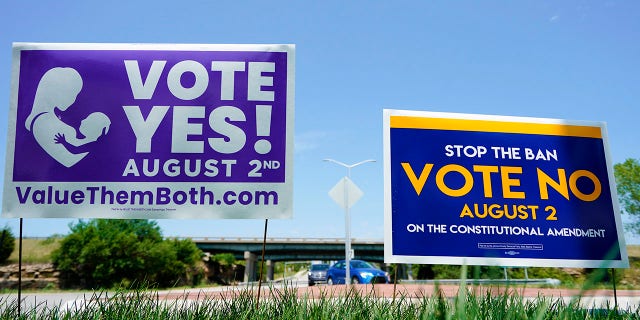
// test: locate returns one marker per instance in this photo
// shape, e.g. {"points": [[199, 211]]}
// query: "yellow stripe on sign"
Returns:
{"points": [[406, 122]]}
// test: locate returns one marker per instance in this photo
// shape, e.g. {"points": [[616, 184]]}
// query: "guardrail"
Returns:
{"points": [[546, 281]]}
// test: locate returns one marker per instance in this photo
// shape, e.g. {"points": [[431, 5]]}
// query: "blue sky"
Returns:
{"points": [[575, 60]]}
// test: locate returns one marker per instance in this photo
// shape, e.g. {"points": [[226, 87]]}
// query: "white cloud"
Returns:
{"points": [[554, 18], [308, 140]]}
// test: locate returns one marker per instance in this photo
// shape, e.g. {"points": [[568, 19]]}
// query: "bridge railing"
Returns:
{"points": [[278, 240]]}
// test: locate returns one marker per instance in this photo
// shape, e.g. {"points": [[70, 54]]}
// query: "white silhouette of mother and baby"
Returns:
{"points": [[59, 88]]}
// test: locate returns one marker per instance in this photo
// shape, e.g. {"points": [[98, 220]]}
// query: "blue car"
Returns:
{"points": [[361, 272]]}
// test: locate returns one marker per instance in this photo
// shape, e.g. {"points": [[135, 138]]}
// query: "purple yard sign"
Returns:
{"points": [[150, 131]]}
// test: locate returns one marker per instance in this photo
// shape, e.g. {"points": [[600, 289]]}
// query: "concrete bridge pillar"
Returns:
{"points": [[250, 266], [270, 268]]}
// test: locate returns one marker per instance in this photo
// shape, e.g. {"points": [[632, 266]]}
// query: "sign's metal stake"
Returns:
{"points": [[264, 245], [615, 292], [395, 282], [20, 271]]}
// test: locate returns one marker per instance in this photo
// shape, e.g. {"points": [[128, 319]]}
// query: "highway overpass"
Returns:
{"points": [[289, 249]]}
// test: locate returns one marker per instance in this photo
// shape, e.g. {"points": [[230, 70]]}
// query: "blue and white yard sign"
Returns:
{"points": [[496, 190]]}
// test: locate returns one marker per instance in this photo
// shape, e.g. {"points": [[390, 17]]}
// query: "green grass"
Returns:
{"points": [[285, 304]]}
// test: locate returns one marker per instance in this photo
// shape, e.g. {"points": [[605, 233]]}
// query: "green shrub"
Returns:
{"points": [[7, 244], [225, 259], [107, 253], [428, 271]]}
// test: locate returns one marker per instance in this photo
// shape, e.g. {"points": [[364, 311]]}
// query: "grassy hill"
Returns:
{"points": [[631, 276], [35, 250]]}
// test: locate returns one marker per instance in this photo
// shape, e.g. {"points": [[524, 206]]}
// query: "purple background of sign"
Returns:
{"points": [[106, 89]]}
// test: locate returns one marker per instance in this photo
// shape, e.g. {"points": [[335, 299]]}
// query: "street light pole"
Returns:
{"points": [[347, 217]]}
